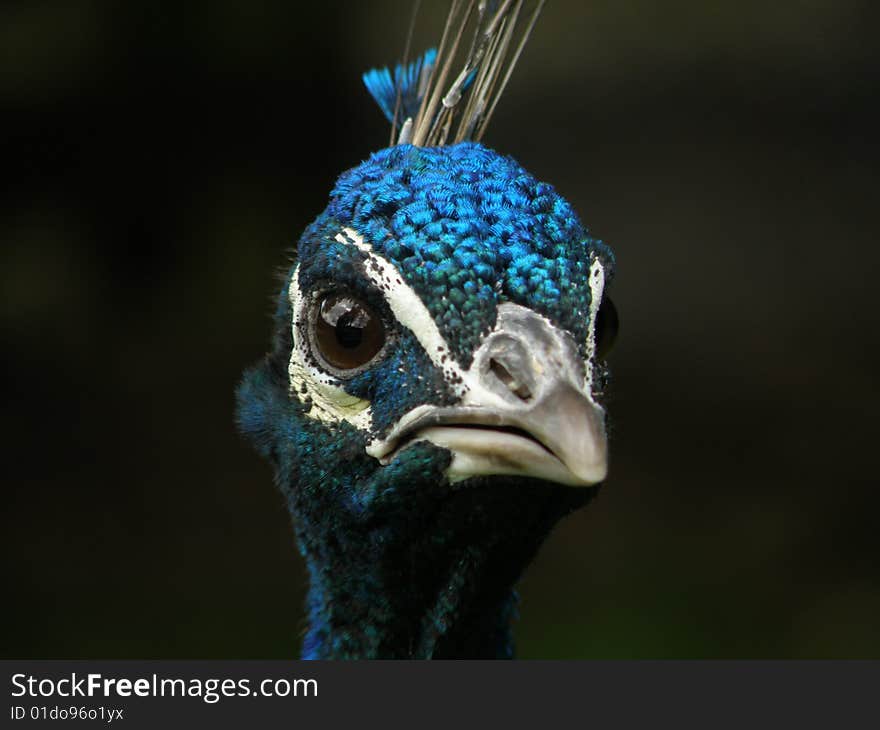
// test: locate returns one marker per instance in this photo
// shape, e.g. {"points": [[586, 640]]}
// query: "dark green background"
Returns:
{"points": [[159, 158]]}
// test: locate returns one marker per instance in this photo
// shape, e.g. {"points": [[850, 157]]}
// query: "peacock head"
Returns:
{"points": [[433, 401], [443, 328]]}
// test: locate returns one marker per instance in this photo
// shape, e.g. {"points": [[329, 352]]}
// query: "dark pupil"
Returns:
{"points": [[606, 327], [347, 331]]}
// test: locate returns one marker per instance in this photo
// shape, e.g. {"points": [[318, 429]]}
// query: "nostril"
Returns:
{"points": [[504, 375]]}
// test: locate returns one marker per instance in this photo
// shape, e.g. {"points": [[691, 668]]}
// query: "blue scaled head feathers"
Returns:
{"points": [[446, 296]]}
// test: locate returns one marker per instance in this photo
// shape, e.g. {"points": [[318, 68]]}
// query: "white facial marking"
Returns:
{"points": [[597, 287], [330, 402], [408, 309]]}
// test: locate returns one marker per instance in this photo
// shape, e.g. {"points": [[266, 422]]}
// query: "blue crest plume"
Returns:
{"points": [[449, 95], [409, 81]]}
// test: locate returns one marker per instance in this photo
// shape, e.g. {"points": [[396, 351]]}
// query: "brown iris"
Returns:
{"points": [[607, 325], [348, 333]]}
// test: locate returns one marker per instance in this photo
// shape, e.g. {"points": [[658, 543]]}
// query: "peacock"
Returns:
{"points": [[432, 402]]}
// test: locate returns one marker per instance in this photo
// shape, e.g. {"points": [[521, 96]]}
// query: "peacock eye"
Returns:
{"points": [[348, 333], [606, 328]]}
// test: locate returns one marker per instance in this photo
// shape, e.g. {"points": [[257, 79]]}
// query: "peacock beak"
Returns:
{"points": [[528, 410]]}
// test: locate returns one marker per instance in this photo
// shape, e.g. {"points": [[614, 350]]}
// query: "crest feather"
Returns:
{"points": [[449, 95], [409, 81]]}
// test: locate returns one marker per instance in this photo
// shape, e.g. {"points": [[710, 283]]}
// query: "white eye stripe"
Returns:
{"points": [[597, 288], [408, 309]]}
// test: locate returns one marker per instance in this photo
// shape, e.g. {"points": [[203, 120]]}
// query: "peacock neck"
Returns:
{"points": [[429, 582], [366, 616]]}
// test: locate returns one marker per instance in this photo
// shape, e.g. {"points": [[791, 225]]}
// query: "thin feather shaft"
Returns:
{"points": [[499, 16], [500, 51], [423, 118], [510, 68], [405, 132], [404, 63], [453, 97], [429, 138], [477, 101]]}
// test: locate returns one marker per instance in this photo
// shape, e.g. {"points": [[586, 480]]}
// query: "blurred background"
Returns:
{"points": [[160, 158]]}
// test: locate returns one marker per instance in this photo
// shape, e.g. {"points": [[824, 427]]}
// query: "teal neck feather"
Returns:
{"points": [[438, 584]]}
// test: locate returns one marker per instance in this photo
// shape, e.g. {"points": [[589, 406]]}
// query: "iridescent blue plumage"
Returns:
{"points": [[424, 471], [468, 228], [406, 81]]}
